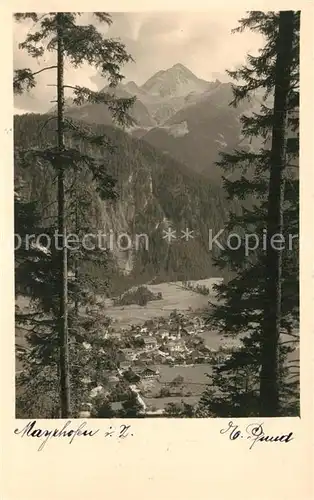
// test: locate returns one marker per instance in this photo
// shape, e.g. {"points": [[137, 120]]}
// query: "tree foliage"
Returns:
{"points": [[54, 308], [234, 385]]}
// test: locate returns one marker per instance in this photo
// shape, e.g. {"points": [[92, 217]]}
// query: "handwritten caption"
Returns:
{"points": [[71, 431], [255, 433]]}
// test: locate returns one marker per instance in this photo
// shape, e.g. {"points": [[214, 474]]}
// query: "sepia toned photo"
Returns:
{"points": [[156, 212]]}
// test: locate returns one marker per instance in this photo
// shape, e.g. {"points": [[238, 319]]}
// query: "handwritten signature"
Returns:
{"points": [[255, 433]]}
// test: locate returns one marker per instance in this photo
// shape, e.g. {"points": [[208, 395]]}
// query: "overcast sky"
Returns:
{"points": [[201, 41]]}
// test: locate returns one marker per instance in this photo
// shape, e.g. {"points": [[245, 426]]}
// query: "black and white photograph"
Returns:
{"points": [[156, 214]]}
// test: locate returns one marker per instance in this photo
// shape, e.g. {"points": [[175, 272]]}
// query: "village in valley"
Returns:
{"points": [[156, 349], [157, 362]]}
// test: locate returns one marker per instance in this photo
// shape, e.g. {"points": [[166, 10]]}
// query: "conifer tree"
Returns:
{"points": [[269, 391], [80, 44], [234, 386], [91, 355]]}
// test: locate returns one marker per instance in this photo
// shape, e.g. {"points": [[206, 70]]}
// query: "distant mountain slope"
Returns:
{"points": [[166, 92], [157, 99], [203, 128], [155, 193], [182, 115], [99, 113]]}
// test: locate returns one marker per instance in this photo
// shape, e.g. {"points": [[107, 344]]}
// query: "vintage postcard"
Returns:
{"points": [[157, 236]]}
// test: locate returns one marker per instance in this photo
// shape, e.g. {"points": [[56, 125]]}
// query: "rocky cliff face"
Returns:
{"points": [[155, 193]]}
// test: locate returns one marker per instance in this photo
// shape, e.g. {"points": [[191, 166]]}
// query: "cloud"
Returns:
{"points": [[200, 41]]}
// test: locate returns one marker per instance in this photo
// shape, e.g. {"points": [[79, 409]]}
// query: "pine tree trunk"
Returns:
{"points": [[269, 376], [63, 316], [76, 260]]}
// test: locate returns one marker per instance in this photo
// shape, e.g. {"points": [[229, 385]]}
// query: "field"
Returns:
{"points": [[195, 380], [174, 297]]}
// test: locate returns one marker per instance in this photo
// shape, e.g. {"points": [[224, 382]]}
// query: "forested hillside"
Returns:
{"points": [[155, 192]]}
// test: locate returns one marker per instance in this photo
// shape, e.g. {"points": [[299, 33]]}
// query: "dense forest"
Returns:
{"points": [[153, 192]]}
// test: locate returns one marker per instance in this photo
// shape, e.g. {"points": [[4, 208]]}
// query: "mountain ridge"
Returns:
{"points": [[179, 114]]}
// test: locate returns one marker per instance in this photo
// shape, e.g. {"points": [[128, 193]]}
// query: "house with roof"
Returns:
{"points": [[129, 354], [115, 335], [138, 369], [149, 373], [185, 333], [125, 365], [174, 336], [113, 380], [145, 357], [163, 333], [176, 346], [150, 343], [160, 357], [85, 410], [155, 413], [86, 380], [126, 355], [162, 353]]}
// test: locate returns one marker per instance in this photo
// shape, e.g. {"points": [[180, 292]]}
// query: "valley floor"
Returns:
{"points": [[174, 297], [157, 389]]}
